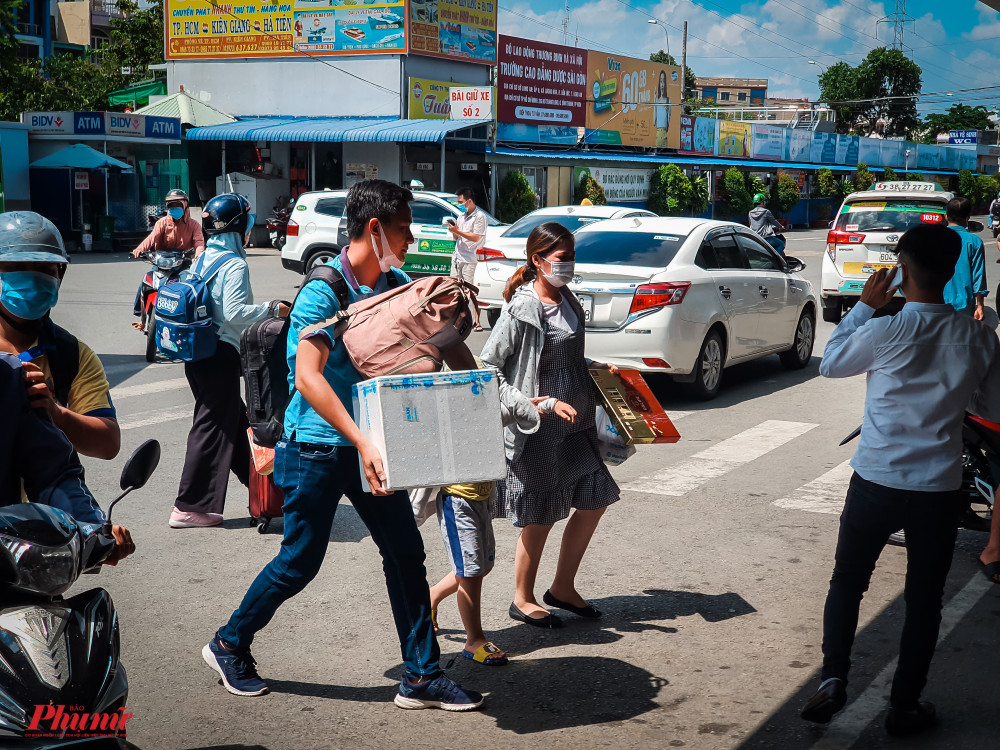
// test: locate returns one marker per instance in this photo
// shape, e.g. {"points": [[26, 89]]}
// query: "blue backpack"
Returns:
{"points": [[184, 327]]}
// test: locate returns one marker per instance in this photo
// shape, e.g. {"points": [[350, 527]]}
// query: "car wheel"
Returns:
{"points": [[708, 369], [492, 316], [833, 313], [805, 336], [320, 257]]}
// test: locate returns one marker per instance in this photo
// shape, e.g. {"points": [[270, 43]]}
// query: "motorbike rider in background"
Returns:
{"points": [[762, 221], [176, 230]]}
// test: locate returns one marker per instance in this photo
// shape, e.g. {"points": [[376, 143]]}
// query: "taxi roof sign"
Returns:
{"points": [[904, 186]]}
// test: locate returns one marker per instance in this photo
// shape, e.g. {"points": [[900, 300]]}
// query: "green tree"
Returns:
{"points": [[987, 189], [863, 178], [967, 184], [735, 192], [784, 194], [669, 191], [829, 185], [877, 96], [958, 117], [889, 175], [590, 188], [690, 79], [516, 197], [698, 197]]}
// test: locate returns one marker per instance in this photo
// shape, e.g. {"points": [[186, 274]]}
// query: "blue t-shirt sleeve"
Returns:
{"points": [[316, 302]]}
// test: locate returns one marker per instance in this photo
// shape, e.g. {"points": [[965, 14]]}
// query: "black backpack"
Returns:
{"points": [[263, 348], [62, 350]]}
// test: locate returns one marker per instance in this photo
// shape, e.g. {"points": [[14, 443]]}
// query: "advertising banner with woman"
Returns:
{"points": [[632, 102]]}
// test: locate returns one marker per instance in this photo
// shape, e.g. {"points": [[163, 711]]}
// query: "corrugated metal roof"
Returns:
{"points": [[336, 129], [190, 110], [705, 161]]}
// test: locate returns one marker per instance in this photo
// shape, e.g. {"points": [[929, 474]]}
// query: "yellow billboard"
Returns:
{"points": [[734, 138], [429, 100], [199, 29], [464, 29], [633, 102]]}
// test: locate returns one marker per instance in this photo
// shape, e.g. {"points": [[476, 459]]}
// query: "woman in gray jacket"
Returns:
{"points": [[538, 345]]}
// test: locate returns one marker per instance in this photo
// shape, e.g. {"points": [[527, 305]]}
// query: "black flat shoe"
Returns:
{"points": [[828, 700], [900, 723], [549, 621], [588, 611]]}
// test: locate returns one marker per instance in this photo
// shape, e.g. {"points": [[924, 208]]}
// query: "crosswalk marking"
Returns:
{"points": [[824, 494], [721, 458], [158, 416], [143, 389]]}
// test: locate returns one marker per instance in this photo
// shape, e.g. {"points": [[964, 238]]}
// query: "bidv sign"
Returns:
{"points": [[102, 125], [48, 122], [129, 125]]}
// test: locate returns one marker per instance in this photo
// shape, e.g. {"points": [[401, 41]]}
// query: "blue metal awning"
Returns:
{"points": [[704, 161], [335, 129]]}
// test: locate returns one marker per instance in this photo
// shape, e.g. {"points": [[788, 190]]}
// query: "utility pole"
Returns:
{"points": [[684, 64], [898, 20], [565, 24]]}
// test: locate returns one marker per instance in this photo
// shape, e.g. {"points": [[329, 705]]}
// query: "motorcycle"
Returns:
{"points": [[980, 473], [167, 267], [277, 225], [995, 224], [61, 676]]}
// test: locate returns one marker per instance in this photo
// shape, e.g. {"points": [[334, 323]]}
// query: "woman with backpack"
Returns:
{"points": [[557, 472], [217, 442]]}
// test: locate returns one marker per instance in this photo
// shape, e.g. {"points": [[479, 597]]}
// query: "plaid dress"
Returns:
{"points": [[560, 467]]}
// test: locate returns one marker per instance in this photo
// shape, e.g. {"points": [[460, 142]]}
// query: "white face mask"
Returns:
{"points": [[387, 259], [560, 273]]}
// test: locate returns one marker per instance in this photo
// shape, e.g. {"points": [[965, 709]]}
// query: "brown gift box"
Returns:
{"points": [[633, 408]]}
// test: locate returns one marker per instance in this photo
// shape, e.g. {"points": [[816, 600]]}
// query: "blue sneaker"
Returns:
{"points": [[441, 692], [237, 669]]}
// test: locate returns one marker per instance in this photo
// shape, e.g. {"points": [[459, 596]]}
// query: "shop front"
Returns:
{"points": [[104, 200]]}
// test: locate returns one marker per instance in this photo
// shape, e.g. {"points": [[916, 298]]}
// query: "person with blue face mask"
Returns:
{"points": [[64, 378], [176, 230], [217, 443]]}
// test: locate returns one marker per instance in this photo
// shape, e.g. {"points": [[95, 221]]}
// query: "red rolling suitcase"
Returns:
{"points": [[266, 499]]}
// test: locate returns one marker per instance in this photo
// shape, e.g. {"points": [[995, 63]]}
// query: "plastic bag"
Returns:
{"points": [[612, 446]]}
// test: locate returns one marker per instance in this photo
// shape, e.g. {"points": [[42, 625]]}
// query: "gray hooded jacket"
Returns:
{"points": [[762, 221], [515, 348]]}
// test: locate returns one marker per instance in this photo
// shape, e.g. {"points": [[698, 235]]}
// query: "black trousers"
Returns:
{"points": [[217, 442], [871, 513]]}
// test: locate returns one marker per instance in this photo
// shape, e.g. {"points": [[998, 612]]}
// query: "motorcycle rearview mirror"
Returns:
{"points": [[975, 226], [137, 470]]}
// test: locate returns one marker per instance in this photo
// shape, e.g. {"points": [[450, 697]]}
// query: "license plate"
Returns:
{"points": [[587, 303], [887, 257]]}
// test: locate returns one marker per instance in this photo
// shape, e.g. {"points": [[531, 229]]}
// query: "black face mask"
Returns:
{"points": [[22, 326]]}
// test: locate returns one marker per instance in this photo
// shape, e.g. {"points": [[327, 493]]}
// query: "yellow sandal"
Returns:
{"points": [[487, 654]]}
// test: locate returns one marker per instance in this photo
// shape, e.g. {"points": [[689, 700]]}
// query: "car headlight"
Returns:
{"points": [[47, 571]]}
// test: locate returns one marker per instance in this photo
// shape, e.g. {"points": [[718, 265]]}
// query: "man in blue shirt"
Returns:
{"points": [[316, 463], [926, 366], [967, 289]]}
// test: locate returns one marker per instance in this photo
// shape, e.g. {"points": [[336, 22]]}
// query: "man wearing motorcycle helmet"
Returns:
{"points": [[217, 442], [762, 222], [65, 379], [176, 230]]}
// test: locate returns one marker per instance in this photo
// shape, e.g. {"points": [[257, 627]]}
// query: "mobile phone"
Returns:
{"points": [[451, 221], [897, 278]]}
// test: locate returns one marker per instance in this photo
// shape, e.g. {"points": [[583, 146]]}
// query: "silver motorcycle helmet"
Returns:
{"points": [[27, 237]]}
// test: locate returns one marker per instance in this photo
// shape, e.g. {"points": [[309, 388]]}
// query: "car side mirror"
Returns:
{"points": [[975, 226], [793, 265]]}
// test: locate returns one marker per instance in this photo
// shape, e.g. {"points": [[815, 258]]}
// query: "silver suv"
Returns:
{"points": [[317, 230]]}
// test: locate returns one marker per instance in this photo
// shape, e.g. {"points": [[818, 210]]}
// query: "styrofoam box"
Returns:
{"points": [[436, 429]]}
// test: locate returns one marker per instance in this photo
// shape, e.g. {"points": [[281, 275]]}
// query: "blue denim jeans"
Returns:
{"points": [[777, 243], [314, 478], [871, 513]]}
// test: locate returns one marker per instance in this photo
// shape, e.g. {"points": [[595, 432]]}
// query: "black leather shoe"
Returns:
{"points": [[549, 621], [587, 610], [900, 723], [828, 700]]}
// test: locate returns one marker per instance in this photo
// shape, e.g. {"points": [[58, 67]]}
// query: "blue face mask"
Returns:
{"points": [[461, 207], [175, 213], [28, 294]]}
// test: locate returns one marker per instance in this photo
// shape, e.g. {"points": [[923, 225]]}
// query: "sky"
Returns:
{"points": [[957, 44]]}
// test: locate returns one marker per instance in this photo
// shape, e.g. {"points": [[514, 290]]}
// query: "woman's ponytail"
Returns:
{"points": [[543, 239]]}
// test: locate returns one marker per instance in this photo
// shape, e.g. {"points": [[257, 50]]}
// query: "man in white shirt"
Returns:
{"points": [[926, 366], [470, 235]]}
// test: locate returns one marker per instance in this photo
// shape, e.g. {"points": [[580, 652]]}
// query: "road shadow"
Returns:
{"points": [[961, 683], [229, 747], [120, 367], [371, 694], [740, 383], [347, 525]]}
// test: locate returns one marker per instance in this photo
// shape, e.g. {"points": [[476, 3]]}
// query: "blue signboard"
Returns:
{"points": [[88, 123], [963, 137], [162, 127]]}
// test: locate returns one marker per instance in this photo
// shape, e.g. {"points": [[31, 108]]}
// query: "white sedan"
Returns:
{"points": [[495, 267], [689, 297]]}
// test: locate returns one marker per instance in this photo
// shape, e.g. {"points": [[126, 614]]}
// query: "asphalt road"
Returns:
{"points": [[711, 571]]}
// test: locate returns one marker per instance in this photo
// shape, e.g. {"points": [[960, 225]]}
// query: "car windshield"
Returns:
{"points": [[892, 215], [491, 220], [628, 248], [523, 226]]}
